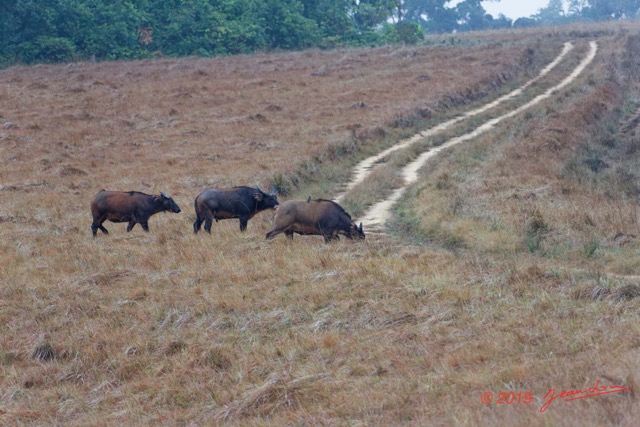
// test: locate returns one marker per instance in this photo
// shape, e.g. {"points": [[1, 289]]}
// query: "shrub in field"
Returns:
{"points": [[47, 49]]}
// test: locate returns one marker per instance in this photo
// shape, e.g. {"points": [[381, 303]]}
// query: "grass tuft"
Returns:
{"points": [[44, 353]]}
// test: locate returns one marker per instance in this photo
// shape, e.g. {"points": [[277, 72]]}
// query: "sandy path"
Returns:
{"points": [[364, 168], [380, 212]]}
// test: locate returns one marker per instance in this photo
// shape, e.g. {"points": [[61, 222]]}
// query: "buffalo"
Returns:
{"points": [[318, 217], [131, 206], [227, 203]]}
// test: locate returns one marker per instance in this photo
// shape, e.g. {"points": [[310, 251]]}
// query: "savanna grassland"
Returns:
{"points": [[511, 266]]}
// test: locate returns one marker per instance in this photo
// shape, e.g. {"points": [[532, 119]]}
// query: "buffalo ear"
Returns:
{"points": [[257, 196], [360, 228]]}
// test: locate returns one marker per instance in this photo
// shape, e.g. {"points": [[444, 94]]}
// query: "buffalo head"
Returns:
{"points": [[167, 203], [355, 232], [266, 200]]}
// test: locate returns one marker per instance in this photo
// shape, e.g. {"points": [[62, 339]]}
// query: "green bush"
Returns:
{"points": [[409, 32], [47, 49]]}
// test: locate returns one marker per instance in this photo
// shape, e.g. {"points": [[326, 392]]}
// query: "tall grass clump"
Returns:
{"points": [[535, 229]]}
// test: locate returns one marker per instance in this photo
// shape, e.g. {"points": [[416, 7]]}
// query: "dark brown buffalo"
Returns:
{"points": [[227, 203], [314, 217], [131, 206]]}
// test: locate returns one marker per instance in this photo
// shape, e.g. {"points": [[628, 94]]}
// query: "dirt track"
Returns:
{"points": [[379, 213]]}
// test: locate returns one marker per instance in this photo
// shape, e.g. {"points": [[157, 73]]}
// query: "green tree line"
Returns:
{"points": [[33, 31]]}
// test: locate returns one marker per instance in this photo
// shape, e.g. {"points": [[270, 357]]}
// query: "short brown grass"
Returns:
{"points": [[169, 328]]}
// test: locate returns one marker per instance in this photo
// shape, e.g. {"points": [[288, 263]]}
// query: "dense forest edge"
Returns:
{"points": [[53, 31]]}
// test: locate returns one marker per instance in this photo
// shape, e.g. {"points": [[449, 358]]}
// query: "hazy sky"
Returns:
{"points": [[514, 9]]}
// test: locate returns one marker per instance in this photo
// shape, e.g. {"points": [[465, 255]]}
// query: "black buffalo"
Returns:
{"points": [[131, 206], [227, 203], [314, 217]]}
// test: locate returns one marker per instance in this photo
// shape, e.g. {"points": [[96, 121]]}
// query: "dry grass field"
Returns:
{"points": [[512, 266]]}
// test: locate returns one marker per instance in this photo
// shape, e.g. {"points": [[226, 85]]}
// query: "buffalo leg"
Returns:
{"points": [[207, 225], [98, 225], [197, 224], [243, 224], [273, 233], [130, 225], [330, 237], [289, 234], [145, 226]]}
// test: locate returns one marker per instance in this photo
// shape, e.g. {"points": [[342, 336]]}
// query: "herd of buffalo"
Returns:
{"points": [[306, 217]]}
